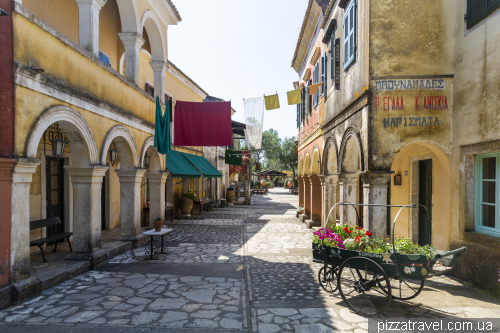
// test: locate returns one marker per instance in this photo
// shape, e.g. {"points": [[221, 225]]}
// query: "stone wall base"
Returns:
{"points": [[137, 241], [96, 259], [25, 290], [312, 223], [480, 262]]}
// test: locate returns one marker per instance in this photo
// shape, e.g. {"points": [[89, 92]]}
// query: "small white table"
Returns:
{"points": [[152, 234]]}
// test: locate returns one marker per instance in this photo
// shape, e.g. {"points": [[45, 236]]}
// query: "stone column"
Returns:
{"points": [[330, 184], [132, 43], [375, 187], [6, 169], [156, 196], [349, 192], [159, 70], [130, 204], [316, 202], [307, 199], [87, 183], [20, 217], [301, 190], [88, 30]]}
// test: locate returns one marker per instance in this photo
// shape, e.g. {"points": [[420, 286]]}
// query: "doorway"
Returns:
{"points": [[425, 199], [103, 203], [55, 193]]}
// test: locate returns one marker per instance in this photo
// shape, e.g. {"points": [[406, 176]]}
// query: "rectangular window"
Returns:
{"points": [[150, 89], [332, 57], [316, 80], [477, 10], [298, 115], [104, 58], [488, 193], [323, 75], [350, 34]]}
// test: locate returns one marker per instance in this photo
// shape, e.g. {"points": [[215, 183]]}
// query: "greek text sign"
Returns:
{"points": [[410, 84]]}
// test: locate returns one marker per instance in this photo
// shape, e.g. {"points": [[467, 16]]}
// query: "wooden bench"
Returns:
{"points": [[47, 223]]}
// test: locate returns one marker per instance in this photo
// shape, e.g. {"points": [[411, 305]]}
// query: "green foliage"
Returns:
{"points": [[189, 194], [158, 218], [406, 246], [296, 182], [268, 184]]}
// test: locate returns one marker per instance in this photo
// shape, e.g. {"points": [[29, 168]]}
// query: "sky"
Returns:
{"points": [[237, 49]]}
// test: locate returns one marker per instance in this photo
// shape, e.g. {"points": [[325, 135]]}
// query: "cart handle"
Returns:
{"points": [[449, 253]]}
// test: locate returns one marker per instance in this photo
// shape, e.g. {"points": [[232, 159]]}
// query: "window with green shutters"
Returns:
{"points": [[323, 75], [316, 80], [479, 9], [488, 193], [332, 57], [298, 115], [350, 34]]}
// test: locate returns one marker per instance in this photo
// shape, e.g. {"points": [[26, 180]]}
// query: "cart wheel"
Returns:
{"points": [[327, 276], [404, 290], [359, 280]]}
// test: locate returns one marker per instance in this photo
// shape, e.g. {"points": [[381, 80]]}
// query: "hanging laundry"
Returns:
{"points": [[294, 97], [314, 87], [272, 102], [254, 119], [233, 157], [162, 128], [202, 124]]}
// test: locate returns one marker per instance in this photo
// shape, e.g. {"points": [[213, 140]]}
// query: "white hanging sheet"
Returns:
{"points": [[254, 119]]}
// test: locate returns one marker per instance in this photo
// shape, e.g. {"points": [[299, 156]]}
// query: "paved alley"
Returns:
{"points": [[237, 269]]}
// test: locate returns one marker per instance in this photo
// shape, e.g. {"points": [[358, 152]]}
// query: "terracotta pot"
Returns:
{"points": [[263, 183], [185, 205], [290, 184], [229, 196], [158, 225]]}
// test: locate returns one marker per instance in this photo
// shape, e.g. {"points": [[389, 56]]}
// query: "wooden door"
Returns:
{"points": [[425, 199], [55, 193]]}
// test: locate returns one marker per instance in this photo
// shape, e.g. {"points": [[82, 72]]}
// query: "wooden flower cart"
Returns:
{"points": [[366, 281]]}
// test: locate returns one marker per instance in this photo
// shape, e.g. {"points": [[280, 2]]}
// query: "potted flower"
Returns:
{"points": [[186, 202], [230, 195], [158, 224]]}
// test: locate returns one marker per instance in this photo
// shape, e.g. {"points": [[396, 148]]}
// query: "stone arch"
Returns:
{"points": [[330, 158], [77, 131], [157, 162], [156, 37], [307, 165], [316, 164], [351, 152], [129, 16], [125, 144]]}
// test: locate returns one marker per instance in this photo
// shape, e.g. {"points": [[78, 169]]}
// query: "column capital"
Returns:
{"points": [[131, 39], [378, 179], [24, 169], [157, 176], [348, 178], [159, 66], [96, 3], [130, 175], [329, 179], [86, 174]]}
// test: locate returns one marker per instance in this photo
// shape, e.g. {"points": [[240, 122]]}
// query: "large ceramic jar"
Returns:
{"points": [[263, 183], [185, 204], [229, 196], [290, 184]]}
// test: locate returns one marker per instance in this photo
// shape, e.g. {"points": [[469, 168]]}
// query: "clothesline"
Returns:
{"points": [[278, 93]]}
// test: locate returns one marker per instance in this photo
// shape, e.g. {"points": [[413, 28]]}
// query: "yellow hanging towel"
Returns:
{"points": [[294, 97], [272, 102], [314, 87]]}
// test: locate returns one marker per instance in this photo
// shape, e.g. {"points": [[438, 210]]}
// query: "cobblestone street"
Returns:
{"points": [[238, 269]]}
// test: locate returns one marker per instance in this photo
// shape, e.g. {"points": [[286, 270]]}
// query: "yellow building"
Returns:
{"points": [[88, 72]]}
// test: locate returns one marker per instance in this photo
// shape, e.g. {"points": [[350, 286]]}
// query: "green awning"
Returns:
{"points": [[205, 167], [179, 166]]}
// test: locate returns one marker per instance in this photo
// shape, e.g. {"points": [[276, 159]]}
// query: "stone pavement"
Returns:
{"points": [[237, 269]]}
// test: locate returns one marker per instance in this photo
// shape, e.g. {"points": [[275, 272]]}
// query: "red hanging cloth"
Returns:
{"points": [[202, 124]]}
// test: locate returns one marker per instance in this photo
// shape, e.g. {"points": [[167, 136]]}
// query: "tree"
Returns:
{"points": [[268, 155], [288, 159]]}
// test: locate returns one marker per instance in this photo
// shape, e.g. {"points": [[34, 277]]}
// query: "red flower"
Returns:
{"points": [[358, 239], [368, 233], [359, 228], [347, 230]]}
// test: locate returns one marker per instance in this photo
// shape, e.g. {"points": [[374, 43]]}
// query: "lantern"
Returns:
{"points": [[58, 146], [397, 179], [113, 154], [257, 166], [146, 161]]}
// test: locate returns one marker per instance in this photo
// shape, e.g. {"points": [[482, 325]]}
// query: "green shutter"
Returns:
{"points": [[475, 12], [350, 34], [298, 115], [491, 5], [332, 57], [323, 74]]}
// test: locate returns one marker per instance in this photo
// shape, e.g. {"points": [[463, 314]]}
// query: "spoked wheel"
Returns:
{"points": [[359, 282], [327, 277], [404, 290]]}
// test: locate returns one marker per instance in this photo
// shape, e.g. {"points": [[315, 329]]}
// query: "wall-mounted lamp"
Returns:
{"points": [[113, 154], [55, 136], [397, 179], [58, 146], [146, 161]]}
